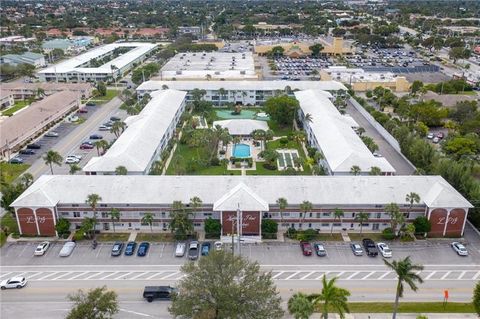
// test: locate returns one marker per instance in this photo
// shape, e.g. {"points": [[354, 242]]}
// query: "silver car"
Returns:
{"points": [[67, 249], [356, 249]]}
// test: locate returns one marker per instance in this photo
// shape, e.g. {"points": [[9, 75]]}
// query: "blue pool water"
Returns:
{"points": [[241, 150]]}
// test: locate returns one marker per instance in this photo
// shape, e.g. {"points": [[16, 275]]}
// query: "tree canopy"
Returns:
{"points": [[282, 109], [95, 304]]}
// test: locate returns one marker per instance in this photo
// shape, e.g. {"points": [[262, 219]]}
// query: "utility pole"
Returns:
{"points": [[239, 228], [233, 236]]}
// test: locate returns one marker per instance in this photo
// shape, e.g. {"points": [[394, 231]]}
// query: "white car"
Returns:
{"points": [[14, 282], [377, 154], [218, 245], [41, 248], [180, 250], [460, 249], [79, 157], [430, 136], [67, 249], [384, 250], [51, 134], [71, 160]]}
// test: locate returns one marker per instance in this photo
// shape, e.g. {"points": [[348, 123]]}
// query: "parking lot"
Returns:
{"points": [[291, 69]]}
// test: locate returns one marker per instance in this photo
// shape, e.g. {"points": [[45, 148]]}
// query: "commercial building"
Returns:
{"points": [[22, 91], [35, 59], [210, 66], [81, 69], [15, 40], [190, 30], [296, 49], [331, 133], [19, 129], [362, 80], [244, 92], [146, 136], [52, 197]]}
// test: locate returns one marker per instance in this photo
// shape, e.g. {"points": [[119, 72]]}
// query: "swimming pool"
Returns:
{"points": [[241, 150]]}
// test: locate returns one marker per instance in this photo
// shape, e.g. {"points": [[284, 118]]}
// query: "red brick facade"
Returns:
{"points": [[250, 223], [46, 222], [455, 222], [41, 222]]}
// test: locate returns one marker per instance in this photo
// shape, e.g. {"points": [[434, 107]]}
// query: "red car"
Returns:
{"points": [[440, 135], [86, 147], [82, 111], [306, 248]]}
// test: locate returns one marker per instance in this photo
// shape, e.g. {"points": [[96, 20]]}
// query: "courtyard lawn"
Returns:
{"points": [[112, 237], [328, 237], [17, 106], [10, 172], [155, 237], [279, 130], [8, 223], [410, 307], [372, 236], [104, 99]]}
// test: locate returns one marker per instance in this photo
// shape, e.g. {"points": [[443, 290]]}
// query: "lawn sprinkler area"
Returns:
{"points": [[288, 158]]}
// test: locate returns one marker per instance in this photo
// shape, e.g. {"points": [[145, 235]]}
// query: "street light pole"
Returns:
{"points": [[239, 227]]}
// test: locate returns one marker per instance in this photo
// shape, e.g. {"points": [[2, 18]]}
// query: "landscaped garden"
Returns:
{"points": [[16, 107]]}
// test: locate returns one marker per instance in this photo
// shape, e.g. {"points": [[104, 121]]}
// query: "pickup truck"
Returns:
{"points": [[370, 247]]}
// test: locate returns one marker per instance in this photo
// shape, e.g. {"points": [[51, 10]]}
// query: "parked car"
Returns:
{"points": [[130, 248], [96, 137], [51, 134], [16, 160], [79, 157], [320, 250], [34, 146], [82, 111], [14, 282], [436, 140], [376, 154], [27, 152], [193, 250], [158, 292], [206, 248], [71, 160], [143, 249], [41, 248], [370, 247], [356, 249], [117, 249], [440, 135], [218, 245], [104, 128], [306, 248], [90, 104], [115, 119], [459, 248], [85, 146], [384, 250], [430, 136], [180, 249], [67, 249]]}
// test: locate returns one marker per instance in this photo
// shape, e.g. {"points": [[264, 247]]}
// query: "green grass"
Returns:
{"points": [[10, 172], [17, 106], [111, 237], [411, 307], [329, 237], [279, 130], [372, 236], [9, 224], [154, 237], [104, 99]]}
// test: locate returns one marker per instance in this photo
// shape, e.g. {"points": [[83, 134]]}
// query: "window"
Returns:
{"points": [[311, 215], [337, 224], [103, 205], [207, 214], [65, 213], [379, 215], [325, 224], [74, 205], [309, 225], [76, 214], [319, 215], [197, 224], [326, 214], [286, 214], [104, 215], [299, 225]]}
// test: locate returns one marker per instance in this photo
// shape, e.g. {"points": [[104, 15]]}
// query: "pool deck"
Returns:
{"points": [[254, 151], [244, 115]]}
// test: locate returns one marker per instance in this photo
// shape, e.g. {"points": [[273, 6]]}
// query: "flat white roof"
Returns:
{"points": [[136, 146], [340, 145], [242, 126], [332, 191], [242, 85], [71, 65], [344, 74]]}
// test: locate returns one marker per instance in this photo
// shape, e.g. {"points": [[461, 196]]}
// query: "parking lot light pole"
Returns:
{"points": [[239, 228]]}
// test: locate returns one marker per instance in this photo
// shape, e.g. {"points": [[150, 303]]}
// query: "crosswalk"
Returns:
{"points": [[277, 275]]}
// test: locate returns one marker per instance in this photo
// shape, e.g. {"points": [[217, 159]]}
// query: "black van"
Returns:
{"points": [[158, 292]]}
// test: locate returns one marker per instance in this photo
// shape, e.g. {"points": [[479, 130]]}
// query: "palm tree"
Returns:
{"points": [[362, 218], [282, 204], [332, 297], [396, 216], [113, 68], [195, 203], [117, 128], [148, 219], [53, 157], [26, 179], [337, 214], [360, 131], [98, 144], [121, 170], [412, 198], [74, 168], [308, 118], [355, 170], [222, 93], [300, 306], [374, 170], [406, 273], [305, 207], [92, 201], [114, 216]]}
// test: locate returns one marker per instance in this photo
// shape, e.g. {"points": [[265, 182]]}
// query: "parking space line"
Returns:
{"points": [[430, 275], [368, 275], [66, 274], [104, 277], [170, 275], [352, 275], [307, 275], [95, 274], [445, 276], [139, 275], [156, 274], [98, 252], [76, 276], [461, 275], [35, 273], [5, 275], [23, 250], [50, 274], [322, 274], [280, 273], [384, 275], [292, 275], [476, 275], [161, 251]]}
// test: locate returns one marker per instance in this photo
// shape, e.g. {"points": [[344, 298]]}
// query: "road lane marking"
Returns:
{"points": [[368, 275], [352, 275], [280, 273], [135, 313], [104, 277], [430, 275], [476, 275], [170, 275], [91, 276], [68, 273], [139, 275], [292, 275], [307, 275], [124, 275], [446, 274], [156, 274], [50, 274], [384, 275], [76, 276], [461, 275], [323, 274]]}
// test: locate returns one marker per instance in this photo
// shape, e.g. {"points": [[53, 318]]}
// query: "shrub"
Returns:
{"points": [[222, 152], [62, 227], [269, 229], [283, 141], [272, 167], [212, 228], [78, 235], [422, 224], [388, 234], [311, 151], [215, 161]]}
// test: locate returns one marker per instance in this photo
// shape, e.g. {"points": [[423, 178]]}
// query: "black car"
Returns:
{"points": [[90, 104], [370, 247], [143, 249], [158, 292], [117, 249], [16, 160], [27, 152], [115, 119], [96, 137], [130, 248], [34, 146]]}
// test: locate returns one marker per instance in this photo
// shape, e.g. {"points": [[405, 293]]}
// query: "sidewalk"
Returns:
{"points": [[399, 316]]}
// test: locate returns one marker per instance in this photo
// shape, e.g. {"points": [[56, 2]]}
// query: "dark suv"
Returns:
{"points": [[370, 247], [158, 292]]}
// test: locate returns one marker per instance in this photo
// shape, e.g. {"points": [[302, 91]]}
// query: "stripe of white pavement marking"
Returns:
{"points": [[139, 275], [461, 275], [292, 275], [280, 273], [91, 276], [445, 276], [323, 274], [76, 276], [135, 313], [156, 274], [66, 274], [307, 275], [170, 275], [384, 275], [430, 275], [368, 275], [124, 275], [5, 275], [104, 277], [50, 274], [476, 275], [352, 275]]}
